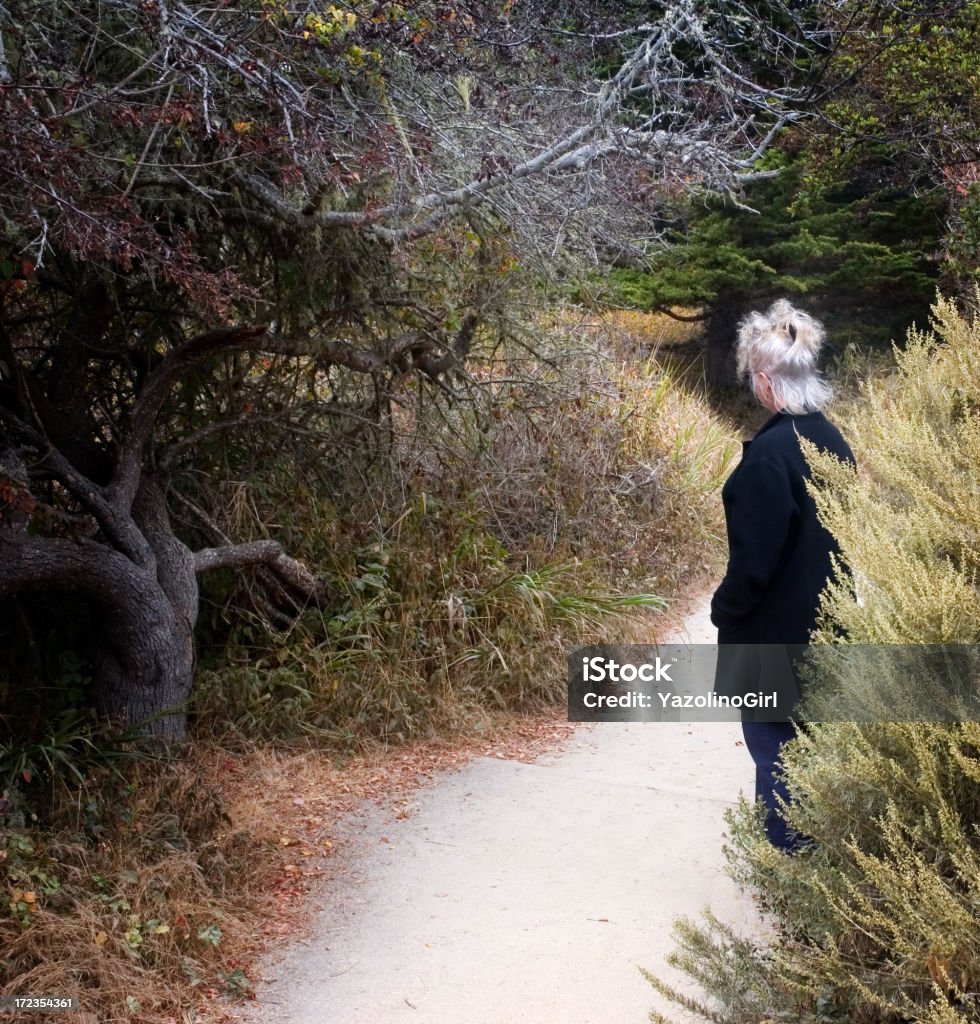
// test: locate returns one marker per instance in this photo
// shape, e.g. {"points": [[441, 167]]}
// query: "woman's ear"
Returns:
{"points": [[764, 390]]}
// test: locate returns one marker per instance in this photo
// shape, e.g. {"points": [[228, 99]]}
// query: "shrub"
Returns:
{"points": [[569, 489], [878, 922]]}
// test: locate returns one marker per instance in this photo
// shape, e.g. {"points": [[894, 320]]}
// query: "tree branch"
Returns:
{"points": [[435, 205], [119, 530], [268, 553], [168, 456], [139, 426], [682, 317], [53, 564]]}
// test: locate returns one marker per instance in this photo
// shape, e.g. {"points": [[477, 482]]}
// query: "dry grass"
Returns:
{"points": [[635, 334], [123, 882], [249, 833], [512, 527], [622, 467]]}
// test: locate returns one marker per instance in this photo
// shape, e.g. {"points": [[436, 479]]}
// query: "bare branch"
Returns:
{"points": [[577, 150], [4, 67], [268, 553], [139, 426], [118, 529], [167, 459], [684, 318]]}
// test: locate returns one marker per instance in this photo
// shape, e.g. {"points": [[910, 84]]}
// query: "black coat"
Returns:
{"points": [[779, 553], [779, 560]]}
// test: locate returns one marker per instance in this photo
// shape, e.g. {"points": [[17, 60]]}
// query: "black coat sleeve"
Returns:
{"points": [[760, 517]]}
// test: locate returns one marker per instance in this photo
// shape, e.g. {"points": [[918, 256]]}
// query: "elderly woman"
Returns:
{"points": [[779, 553]]}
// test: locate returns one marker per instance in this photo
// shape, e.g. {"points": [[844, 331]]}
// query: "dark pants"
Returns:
{"points": [[764, 741]]}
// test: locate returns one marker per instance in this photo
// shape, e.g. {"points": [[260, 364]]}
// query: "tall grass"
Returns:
{"points": [[566, 496]]}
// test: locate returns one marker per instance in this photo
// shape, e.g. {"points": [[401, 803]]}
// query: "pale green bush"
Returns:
{"points": [[880, 920]]}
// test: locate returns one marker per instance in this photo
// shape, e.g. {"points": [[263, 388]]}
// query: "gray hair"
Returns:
{"points": [[783, 343]]}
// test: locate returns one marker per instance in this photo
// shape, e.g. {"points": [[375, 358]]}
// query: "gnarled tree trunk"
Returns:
{"points": [[125, 558], [144, 669], [145, 656]]}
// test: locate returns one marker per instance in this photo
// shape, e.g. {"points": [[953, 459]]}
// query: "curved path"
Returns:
{"points": [[526, 893]]}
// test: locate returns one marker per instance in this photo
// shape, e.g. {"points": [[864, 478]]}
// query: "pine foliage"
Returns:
{"points": [[842, 245], [878, 921]]}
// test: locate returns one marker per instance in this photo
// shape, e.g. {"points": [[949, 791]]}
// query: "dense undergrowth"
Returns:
{"points": [[877, 922], [543, 514], [127, 893], [568, 498]]}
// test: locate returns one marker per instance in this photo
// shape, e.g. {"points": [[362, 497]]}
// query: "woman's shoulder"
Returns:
{"points": [[816, 428], [776, 434], [780, 437]]}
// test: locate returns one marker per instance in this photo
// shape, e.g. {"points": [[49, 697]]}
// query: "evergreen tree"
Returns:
{"points": [[904, 78], [857, 253]]}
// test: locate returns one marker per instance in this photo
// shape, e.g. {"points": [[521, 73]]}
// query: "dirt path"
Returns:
{"points": [[525, 893]]}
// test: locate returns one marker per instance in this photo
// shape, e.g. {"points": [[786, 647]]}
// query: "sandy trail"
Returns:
{"points": [[526, 893]]}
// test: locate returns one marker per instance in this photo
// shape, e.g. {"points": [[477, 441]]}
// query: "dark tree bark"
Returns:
{"points": [[145, 655], [144, 671], [145, 659], [720, 353], [138, 575]]}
